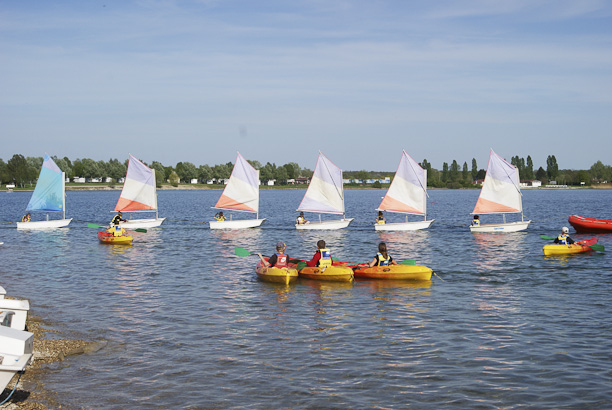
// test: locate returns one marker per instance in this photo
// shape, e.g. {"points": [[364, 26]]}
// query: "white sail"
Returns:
{"points": [[139, 194], [407, 195], [240, 194], [500, 194], [325, 195]]}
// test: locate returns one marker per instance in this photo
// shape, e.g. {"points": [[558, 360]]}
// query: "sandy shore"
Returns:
{"points": [[32, 394]]}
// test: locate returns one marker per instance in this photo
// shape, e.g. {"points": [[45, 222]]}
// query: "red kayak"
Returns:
{"points": [[583, 224]]}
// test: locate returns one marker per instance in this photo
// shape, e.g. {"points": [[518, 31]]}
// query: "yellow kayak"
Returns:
{"points": [[339, 273], [577, 247], [403, 272], [108, 238], [277, 275]]}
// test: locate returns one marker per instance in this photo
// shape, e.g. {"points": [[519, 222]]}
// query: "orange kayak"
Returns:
{"points": [[108, 238], [403, 272]]}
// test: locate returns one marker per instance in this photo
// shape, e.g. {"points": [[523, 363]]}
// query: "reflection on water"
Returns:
{"points": [[496, 251]]}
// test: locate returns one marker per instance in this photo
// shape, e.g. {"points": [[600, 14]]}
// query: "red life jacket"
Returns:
{"points": [[281, 260]]}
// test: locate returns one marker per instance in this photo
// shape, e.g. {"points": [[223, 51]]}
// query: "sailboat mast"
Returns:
{"points": [[342, 186], [64, 195]]}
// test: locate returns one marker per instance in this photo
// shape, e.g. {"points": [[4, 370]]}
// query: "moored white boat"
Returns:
{"points": [[20, 309], [16, 347], [407, 195], [49, 196], [500, 194], [139, 194], [240, 194], [325, 195]]}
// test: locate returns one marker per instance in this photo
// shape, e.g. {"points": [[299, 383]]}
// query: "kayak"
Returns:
{"points": [[577, 247], [582, 224], [278, 275], [106, 237], [404, 272], [340, 273]]}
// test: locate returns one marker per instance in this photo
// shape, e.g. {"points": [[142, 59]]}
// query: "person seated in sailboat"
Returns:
{"points": [[117, 219], [322, 256], [380, 219], [280, 259], [26, 218], [476, 221], [219, 217], [564, 238], [301, 219], [382, 258]]}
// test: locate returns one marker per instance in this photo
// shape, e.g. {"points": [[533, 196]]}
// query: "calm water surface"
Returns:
{"points": [[188, 325]]}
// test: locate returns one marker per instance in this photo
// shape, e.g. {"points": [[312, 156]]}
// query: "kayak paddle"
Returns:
{"points": [[243, 252], [407, 262], [595, 247], [94, 226]]}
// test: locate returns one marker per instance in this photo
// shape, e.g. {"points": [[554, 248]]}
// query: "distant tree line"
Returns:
{"points": [[22, 171]]}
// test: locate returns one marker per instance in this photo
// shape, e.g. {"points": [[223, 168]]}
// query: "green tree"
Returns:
{"points": [[17, 168], [445, 177], [174, 179], [221, 171], [186, 171], [205, 173], [454, 171], [156, 165], [91, 168], [529, 169], [159, 178], [601, 172], [281, 175], [474, 169], [65, 165], [552, 169], [465, 173], [34, 166], [4, 175], [77, 167], [541, 175], [254, 163]]}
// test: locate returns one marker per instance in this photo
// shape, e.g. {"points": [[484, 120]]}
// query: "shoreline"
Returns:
{"points": [[31, 393]]}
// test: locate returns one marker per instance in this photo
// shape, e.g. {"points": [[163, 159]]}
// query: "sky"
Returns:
{"points": [[279, 81]]}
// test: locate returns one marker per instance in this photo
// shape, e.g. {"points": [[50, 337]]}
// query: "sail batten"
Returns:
{"points": [[500, 191], [48, 194], [408, 191], [325, 193], [242, 190], [139, 189]]}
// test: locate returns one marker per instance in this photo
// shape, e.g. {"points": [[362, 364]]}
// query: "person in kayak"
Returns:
{"points": [[26, 218], [280, 259], [301, 219], [564, 238], [117, 230], [219, 217], [322, 256], [380, 219], [382, 258], [117, 219], [476, 221]]}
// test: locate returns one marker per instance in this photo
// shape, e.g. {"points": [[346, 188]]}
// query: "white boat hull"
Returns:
{"points": [[51, 224], [337, 224], [237, 224], [15, 353], [501, 227], [142, 223], [404, 226]]}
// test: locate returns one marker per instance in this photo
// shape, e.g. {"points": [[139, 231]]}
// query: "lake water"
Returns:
{"points": [[188, 325]]}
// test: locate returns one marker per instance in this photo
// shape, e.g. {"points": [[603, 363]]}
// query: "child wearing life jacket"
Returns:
{"points": [[280, 259], [380, 219], [564, 238], [382, 258], [322, 256], [476, 221]]}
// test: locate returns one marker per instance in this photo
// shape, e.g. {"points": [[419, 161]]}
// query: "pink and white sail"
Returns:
{"points": [[501, 191], [408, 191], [139, 191], [242, 191]]}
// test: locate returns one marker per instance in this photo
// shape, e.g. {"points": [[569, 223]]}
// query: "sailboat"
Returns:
{"points": [[240, 194], [325, 195], [406, 195], [500, 194], [49, 196], [139, 194]]}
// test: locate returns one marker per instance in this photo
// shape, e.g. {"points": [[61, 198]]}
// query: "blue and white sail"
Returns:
{"points": [[48, 196]]}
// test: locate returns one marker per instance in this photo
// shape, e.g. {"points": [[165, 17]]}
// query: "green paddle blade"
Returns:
{"points": [[407, 262], [598, 247], [93, 226], [241, 251], [140, 230], [547, 237], [301, 265]]}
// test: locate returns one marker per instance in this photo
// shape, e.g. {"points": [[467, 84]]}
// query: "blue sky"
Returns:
{"points": [[280, 80]]}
